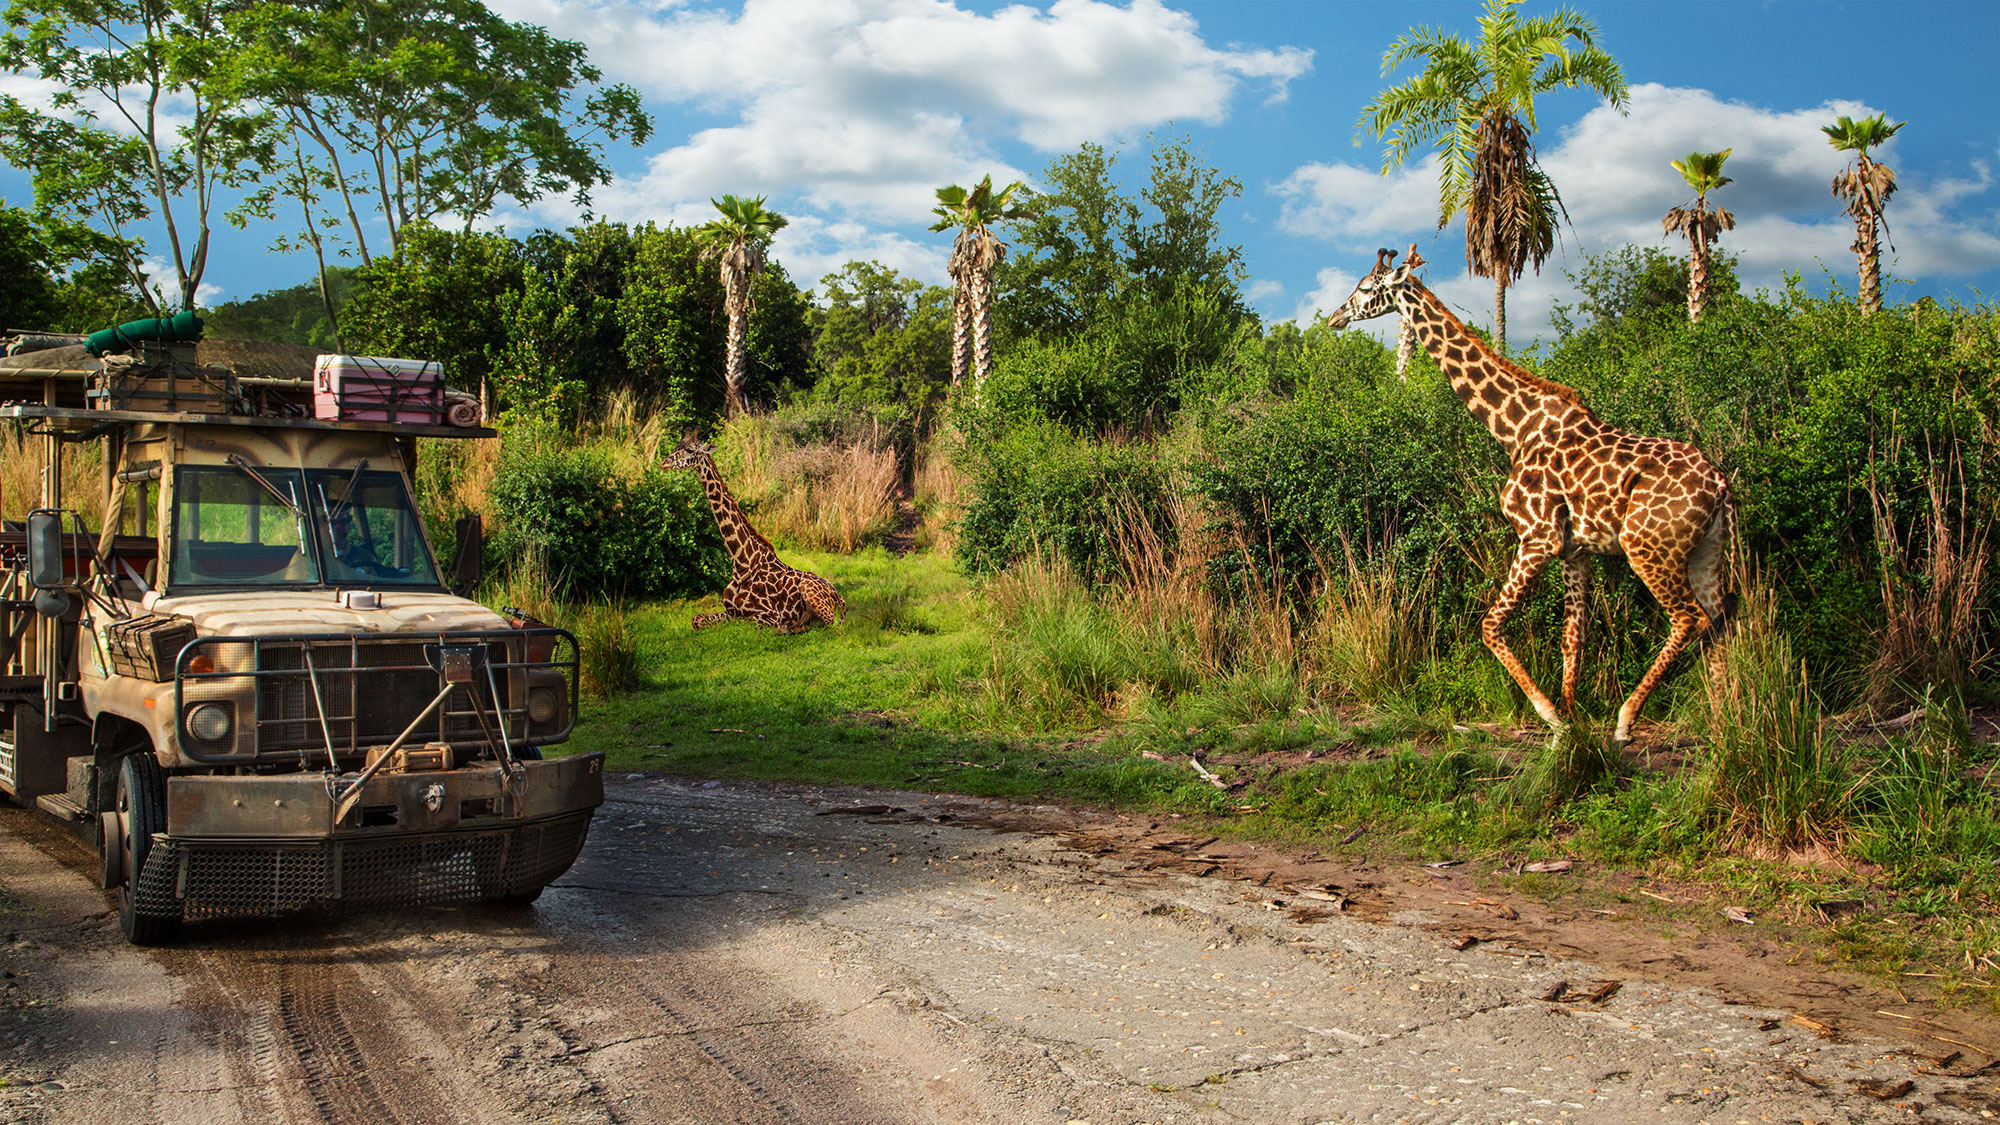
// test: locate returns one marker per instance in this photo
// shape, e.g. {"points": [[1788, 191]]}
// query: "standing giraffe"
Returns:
{"points": [[760, 587], [1578, 487]]}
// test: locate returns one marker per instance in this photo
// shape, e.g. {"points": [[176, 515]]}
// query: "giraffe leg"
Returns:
{"points": [[1576, 605], [1528, 562], [1668, 580]]}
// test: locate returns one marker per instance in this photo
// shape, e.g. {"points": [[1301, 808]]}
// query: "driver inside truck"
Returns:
{"points": [[352, 548]]}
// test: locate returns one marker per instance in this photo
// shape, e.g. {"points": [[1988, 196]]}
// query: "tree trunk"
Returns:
{"points": [[1697, 273], [1500, 314], [734, 369], [982, 324], [1869, 252], [961, 334]]}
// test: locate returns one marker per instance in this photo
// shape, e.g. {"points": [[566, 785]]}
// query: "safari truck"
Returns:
{"points": [[252, 685]]}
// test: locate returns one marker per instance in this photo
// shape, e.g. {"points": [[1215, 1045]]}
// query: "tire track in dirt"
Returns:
{"points": [[677, 1043]]}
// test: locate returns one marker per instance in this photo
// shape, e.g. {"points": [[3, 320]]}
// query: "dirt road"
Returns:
{"points": [[730, 953]]}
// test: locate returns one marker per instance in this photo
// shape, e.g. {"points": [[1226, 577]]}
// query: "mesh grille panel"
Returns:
{"points": [[230, 880]]}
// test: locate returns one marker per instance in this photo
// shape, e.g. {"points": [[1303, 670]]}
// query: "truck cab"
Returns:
{"points": [[255, 685]]}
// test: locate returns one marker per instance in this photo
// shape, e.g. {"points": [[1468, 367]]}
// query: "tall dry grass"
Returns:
{"points": [[1376, 631], [635, 433], [23, 462], [836, 496], [1932, 596], [938, 488]]}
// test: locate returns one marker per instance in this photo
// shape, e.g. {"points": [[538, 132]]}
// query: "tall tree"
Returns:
{"points": [[418, 109], [1700, 224], [882, 339], [1864, 188], [738, 242], [27, 281], [1073, 265], [1474, 103], [974, 255], [142, 127]]}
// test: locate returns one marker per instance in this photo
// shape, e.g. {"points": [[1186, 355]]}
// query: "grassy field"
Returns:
{"points": [[922, 687]]}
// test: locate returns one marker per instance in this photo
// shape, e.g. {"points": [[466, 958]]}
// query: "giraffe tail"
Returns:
{"points": [[1711, 567]]}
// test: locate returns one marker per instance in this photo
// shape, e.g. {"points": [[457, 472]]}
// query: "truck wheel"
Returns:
{"points": [[142, 811], [515, 901]]}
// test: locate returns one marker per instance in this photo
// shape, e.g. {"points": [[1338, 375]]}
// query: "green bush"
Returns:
{"points": [[1039, 488], [601, 534]]}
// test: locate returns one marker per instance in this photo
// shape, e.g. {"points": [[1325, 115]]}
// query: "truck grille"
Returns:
{"points": [[369, 690], [393, 684]]}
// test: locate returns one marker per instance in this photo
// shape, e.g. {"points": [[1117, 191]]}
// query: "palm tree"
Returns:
{"points": [[1701, 224], [738, 241], [1864, 187], [974, 253], [1475, 104]]}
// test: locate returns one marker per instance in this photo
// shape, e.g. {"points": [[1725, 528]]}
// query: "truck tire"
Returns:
{"points": [[516, 901], [142, 811]]}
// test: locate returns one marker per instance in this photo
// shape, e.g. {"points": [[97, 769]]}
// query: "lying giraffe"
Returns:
{"points": [[760, 587], [1578, 488]]}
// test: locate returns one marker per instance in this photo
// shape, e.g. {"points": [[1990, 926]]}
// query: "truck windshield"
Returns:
{"points": [[233, 529], [368, 532]]}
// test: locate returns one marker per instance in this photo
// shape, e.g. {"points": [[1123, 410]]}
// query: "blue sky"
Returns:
{"points": [[847, 114]]}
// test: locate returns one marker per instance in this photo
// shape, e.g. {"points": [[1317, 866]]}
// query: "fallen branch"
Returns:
{"points": [[1205, 775]]}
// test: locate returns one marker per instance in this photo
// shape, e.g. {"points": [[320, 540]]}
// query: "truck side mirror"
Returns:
{"points": [[45, 550], [467, 559]]}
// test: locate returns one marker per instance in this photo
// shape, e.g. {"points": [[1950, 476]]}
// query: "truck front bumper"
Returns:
{"points": [[237, 846]]}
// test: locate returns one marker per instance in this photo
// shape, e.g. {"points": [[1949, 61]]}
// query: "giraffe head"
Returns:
{"points": [[688, 454], [1378, 293]]}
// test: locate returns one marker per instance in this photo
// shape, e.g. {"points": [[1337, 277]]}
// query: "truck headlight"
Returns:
{"points": [[544, 704], [210, 722]]}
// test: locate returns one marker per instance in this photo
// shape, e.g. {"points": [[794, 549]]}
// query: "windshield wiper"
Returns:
{"points": [[249, 470], [347, 495]]}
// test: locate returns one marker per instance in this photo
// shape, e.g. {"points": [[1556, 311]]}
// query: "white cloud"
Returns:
{"points": [[1353, 207], [1617, 181], [860, 109], [811, 247]]}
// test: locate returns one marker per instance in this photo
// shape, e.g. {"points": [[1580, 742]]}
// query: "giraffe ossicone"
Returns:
{"points": [[1577, 488], [761, 588]]}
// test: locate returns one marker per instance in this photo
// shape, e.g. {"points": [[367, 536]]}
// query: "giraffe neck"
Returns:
{"points": [[746, 547], [1520, 410]]}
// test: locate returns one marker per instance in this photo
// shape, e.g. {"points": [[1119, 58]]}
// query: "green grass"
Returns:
{"points": [[1039, 692]]}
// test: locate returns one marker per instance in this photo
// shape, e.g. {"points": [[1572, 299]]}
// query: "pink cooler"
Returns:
{"points": [[366, 388]]}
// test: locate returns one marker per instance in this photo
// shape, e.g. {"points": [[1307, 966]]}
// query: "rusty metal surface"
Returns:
{"points": [[300, 806]]}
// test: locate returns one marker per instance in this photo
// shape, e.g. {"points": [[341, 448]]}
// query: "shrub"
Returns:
{"points": [[1040, 487], [651, 536]]}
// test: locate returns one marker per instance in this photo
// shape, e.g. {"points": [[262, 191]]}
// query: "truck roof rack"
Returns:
{"points": [[51, 386]]}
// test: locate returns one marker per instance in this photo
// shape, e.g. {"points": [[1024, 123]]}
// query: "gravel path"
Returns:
{"points": [[735, 953]]}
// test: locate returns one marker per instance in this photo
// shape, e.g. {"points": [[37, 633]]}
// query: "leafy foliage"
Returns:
{"points": [[437, 299], [1475, 104], [447, 108], [104, 155], [599, 534], [293, 315]]}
